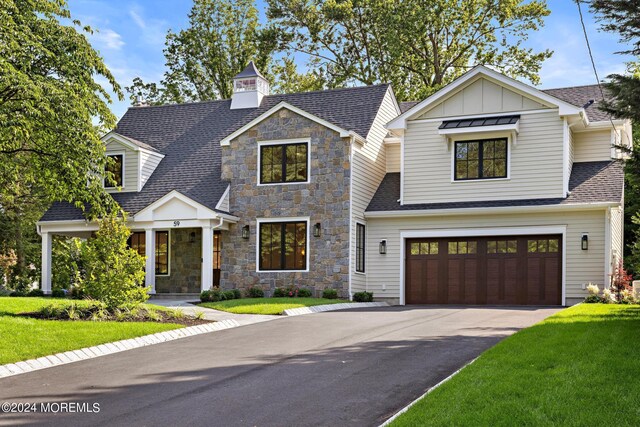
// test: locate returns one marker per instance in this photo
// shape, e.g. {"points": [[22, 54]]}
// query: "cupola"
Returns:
{"points": [[249, 87]]}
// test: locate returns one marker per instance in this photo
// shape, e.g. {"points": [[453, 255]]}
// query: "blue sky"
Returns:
{"points": [[132, 33]]}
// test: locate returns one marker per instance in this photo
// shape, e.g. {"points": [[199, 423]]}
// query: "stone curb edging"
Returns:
{"points": [[331, 307], [71, 356], [406, 408]]}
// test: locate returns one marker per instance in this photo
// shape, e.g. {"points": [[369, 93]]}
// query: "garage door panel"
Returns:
{"points": [[489, 270]]}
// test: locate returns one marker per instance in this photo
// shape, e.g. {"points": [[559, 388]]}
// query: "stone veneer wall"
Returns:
{"points": [[185, 265], [325, 200]]}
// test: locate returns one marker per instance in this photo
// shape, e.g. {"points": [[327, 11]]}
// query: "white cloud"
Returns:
{"points": [[108, 39], [153, 31]]}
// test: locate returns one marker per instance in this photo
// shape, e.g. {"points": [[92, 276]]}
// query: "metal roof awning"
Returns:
{"points": [[480, 124]]}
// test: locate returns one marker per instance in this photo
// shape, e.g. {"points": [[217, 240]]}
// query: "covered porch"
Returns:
{"points": [[180, 239]]}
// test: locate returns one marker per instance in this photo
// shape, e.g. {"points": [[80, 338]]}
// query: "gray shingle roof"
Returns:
{"points": [[580, 97], [136, 142], [189, 136], [590, 182], [407, 105]]}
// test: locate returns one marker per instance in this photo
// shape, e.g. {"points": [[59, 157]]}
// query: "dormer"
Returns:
{"points": [[249, 87], [134, 162]]}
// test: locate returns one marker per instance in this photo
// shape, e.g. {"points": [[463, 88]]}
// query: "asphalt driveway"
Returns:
{"points": [[354, 367]]}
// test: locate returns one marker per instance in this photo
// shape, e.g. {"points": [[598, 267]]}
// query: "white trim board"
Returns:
{"points": [[259, 221], [124, 170], [483, 232], [283, 142]]}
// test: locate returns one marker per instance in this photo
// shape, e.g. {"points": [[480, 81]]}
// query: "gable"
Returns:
{"points": [[482, 96], [175, 208]]}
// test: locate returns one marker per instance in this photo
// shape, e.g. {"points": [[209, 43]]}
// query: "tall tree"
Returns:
{"points": [[222, 37], [50, 148], [417, 45], [623, 18]]}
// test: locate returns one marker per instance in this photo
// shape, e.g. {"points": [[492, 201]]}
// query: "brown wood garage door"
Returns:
{"points": [[516, 270]]}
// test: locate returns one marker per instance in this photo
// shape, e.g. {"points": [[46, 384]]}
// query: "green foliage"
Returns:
{"points": [[292, 292], [35, 293], [279, 293], [49, 100], [286, 78], [228, 295], [113, 272], [255, 292], [330, 293], [363, 296], [58, 293], [305, 293], [415, 45], [212, 295], [237, 294]]}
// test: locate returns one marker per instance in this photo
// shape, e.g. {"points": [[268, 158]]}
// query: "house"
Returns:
{"points": [[488, 192]]}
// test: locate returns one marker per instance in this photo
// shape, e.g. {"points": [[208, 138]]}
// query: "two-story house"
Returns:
{"points": [[488, 192]]}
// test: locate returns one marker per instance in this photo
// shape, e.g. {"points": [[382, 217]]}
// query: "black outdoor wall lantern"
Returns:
{"points": [[383, 247], [192, 237], [585, 242], [316, 230], [245, 232]]}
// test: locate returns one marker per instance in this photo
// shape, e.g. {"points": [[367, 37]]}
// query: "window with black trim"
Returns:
{"points": [[283, 163], [481, 159], [283, 245], [116, 168], [162, 252], [360, 242]]}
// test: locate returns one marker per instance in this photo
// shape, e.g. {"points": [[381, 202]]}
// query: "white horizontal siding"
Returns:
{"points": [[130, 165], [592, 146], [581, 267], [149, 164], [536, 164], [393, 157], [368, 169]]}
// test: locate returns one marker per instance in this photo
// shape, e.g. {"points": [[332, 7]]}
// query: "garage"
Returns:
{"points": [[499, 270]]}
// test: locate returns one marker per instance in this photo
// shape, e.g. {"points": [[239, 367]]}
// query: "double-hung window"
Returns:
{"points": [[284, 163], [481, 159], [115, 168], [137, 241], [283, 246]]}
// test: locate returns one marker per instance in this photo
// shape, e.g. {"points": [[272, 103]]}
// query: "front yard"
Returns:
{"points": [[267, 305], [23, 338], [579, 367]]}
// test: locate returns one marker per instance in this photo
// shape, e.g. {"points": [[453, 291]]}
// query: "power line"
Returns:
{"points": [[593, 65]]}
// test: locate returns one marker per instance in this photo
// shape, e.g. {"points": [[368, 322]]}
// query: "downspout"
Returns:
{"points": [[352, 141]]}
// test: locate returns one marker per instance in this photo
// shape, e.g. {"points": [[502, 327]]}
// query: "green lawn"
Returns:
{"points": [[267, 305], [23, 338], [580, 367]]}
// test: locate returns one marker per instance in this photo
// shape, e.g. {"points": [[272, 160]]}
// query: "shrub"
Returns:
{"points": [[58, 293], [114, 273], [620, 280], [205, 295], [17, 294], [330, 294], [305, 293], [35, 293], [279, 293], [229, 294], [254, 292], [76, 292], [212, 295], [236, 293], [363, 297]]}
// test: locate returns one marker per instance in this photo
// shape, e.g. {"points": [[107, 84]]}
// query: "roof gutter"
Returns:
{"points": [[490, 210]]}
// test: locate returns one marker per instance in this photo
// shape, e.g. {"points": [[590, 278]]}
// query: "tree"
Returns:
{"points": [[622, 17], [222, 37], [417, 45], [288, 80], [149, 92]]}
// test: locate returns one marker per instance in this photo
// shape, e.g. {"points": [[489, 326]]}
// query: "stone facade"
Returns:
{"points": [[184, 265], [325, 200]]}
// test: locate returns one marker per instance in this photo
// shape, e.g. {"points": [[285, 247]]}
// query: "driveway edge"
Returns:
{"points": [[23, 367], [406, 408], [331, 307]]}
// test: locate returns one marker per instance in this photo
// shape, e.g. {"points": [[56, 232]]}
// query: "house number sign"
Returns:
{"points": [[176, 223]]}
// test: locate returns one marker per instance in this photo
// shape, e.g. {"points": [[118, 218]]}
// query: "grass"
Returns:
{"points": [[23, 338], [266, 305], [579, 367]]}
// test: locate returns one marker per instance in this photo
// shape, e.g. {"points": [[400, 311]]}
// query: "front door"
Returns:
{"points": [[216, 258]]}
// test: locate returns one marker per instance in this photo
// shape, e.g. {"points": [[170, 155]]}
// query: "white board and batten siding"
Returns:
{"points": [[369, 164], [592, 146], [384, 271], [535, 164], [130, 165]]}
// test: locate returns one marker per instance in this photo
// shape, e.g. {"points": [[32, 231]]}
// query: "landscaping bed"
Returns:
{"points": [[274, 306], [25, 337], [578, 367]]}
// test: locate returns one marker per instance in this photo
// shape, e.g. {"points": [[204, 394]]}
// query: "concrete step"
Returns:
{"points": [[176, 296]]}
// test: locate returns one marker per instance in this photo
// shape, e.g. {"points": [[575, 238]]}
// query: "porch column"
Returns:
{"points": [[150, 266], [207, 258], [46, 263]]}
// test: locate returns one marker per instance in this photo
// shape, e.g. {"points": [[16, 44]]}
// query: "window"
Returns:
{"points": [[137, 241], [502, 246], [360, 239], [116, 168], [424, 248], [216, 250], [246, 84], [543, 245], [162, 252], [462, 248], [283, 246], [481, 159], [283, 163]]}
